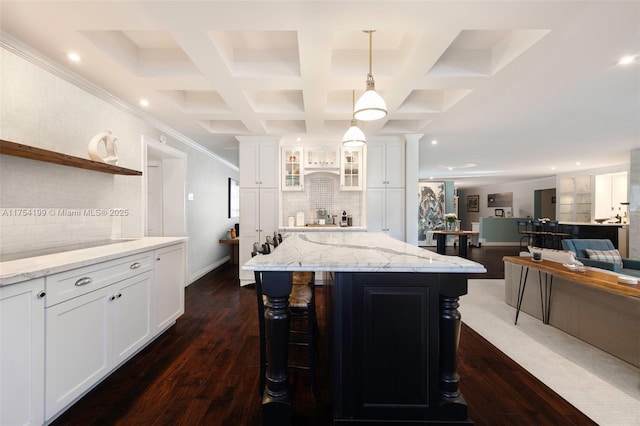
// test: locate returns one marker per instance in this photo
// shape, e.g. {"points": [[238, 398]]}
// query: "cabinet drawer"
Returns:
{"points": [[69, 284]]}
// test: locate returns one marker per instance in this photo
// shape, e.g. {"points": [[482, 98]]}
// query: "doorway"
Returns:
{"points": [[544, 204], [164, 190]]}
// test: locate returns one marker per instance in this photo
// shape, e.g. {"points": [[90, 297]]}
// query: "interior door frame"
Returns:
{"points": [[174, 173]]}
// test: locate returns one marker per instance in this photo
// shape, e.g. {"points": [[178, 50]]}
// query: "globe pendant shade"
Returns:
{"points": [[370, 106], [354, 137]]}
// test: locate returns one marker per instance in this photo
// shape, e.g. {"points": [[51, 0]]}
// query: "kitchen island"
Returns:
{"points": [[393, 319]]}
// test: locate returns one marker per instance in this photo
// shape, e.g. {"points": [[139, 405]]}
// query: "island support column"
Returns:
{"points": [[276, 400], [452, 405]]}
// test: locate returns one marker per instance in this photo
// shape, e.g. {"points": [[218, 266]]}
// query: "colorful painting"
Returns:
{"points": [[431, 209]]}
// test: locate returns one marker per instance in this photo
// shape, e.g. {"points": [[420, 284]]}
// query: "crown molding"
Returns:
{"points": [[38, 59]]}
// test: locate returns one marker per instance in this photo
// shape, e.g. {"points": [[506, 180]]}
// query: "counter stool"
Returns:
{"points": [[524, 229], [302, 309]]}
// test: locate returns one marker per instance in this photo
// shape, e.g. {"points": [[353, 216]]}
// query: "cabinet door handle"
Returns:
{"points": [[119, 295], [42, 294], [112, 298], [135, 265], [84, 281], [157, 258]]}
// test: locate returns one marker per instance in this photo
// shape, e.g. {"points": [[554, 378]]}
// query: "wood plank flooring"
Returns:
{"points": [[204, 371]]}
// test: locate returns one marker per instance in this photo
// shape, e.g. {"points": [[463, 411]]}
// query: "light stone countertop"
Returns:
{"points": [[356, 252], [325, 228], [15, 271]]}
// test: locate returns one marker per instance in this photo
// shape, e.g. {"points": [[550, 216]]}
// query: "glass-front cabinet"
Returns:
{"points": [[292, 169], [321, 158], [574, 198], [351, 170]]}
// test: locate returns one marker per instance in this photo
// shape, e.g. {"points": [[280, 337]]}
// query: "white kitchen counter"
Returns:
{"points": [[15, 271], [356, 252]]}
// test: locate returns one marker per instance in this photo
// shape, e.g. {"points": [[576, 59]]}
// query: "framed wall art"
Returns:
{"points": [[431, 209], [473, 203]]}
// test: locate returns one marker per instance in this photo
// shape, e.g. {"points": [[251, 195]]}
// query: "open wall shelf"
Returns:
{"points": [[39, 154]]}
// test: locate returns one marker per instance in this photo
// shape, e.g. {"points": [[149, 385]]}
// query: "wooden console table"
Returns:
{"points": [[591, 305], [234, 242]]}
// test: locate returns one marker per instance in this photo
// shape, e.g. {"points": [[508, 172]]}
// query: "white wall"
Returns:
{"points": [[43, 110], [46, 110]]}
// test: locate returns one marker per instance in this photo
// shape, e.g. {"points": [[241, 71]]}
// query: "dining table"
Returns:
{"points": [[441, 240]]}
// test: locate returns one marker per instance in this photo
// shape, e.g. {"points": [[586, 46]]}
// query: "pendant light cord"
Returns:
{"points": [[353, 104], [370, 49]]}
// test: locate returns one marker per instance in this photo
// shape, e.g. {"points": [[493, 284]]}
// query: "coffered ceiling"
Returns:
{"points": [[511, 90]]}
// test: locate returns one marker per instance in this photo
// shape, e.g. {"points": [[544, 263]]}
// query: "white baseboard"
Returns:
{"points": [[204, 271]]}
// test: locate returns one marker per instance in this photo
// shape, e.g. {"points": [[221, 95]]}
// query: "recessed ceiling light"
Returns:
{"points": [[298, 139], [73, 57], [431, 177], [144, 103], [434, 142], [450, 168], [626, 60], [553, 167], [577, 163]]}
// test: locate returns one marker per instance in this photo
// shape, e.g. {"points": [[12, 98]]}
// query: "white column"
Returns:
{"points": [[412, 150]]}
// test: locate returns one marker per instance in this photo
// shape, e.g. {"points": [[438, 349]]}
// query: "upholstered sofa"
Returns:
{"points": [[603, 255]]}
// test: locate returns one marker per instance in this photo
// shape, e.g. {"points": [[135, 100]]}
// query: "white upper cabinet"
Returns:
{"points": [[610, 192], [385, 164], [258, 164], [292, 169], [321, 158], [351, 169]]}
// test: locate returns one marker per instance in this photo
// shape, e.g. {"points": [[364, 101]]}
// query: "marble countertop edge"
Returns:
{"points": [[335, 268], [356, 252], [15, 271]]}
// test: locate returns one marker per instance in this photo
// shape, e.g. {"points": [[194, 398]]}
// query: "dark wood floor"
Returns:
{"points": [[204, 371], [489, 256]]}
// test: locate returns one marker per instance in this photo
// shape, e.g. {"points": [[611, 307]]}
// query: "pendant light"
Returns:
{"points": [[370, 106], [354, 136]]}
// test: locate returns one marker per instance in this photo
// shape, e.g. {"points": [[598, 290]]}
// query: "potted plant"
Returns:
{"points": [[451, 220]]}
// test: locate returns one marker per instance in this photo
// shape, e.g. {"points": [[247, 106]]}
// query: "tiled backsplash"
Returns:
{"points": [[27, 229], [307, 201]]}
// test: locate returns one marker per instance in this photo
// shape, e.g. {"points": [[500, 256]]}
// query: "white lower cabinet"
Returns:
{"points": [[90, 335], [131, 317], [22, 353], [63, 333], [169, 282]]}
